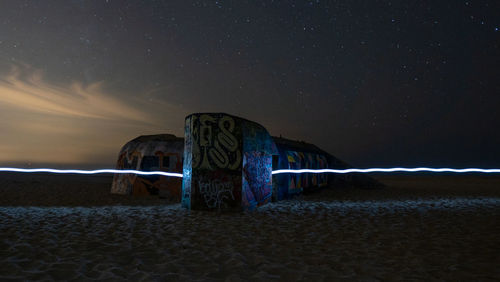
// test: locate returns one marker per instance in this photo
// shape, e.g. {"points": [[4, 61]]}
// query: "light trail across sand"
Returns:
{"points": [[395, 169], [279, 171], [97, 171]]}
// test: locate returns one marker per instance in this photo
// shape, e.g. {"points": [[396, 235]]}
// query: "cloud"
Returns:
{"points": [[42, 122], [32, 94]]}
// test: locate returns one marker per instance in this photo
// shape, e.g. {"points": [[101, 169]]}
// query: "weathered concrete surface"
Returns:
{"points": [[302, 155], [150, 153], [228, 163]]}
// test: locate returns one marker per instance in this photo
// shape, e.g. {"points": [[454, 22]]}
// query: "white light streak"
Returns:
{"points": [[395, 169], [279, 171], [79, 171]]}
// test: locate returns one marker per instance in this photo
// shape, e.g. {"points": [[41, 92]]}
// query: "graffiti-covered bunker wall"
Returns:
{"points": [[227, 163], [150, 153], [302, 155], [297, 155]]}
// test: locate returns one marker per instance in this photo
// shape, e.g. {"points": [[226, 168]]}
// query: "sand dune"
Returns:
{"points": [[416, 229]]}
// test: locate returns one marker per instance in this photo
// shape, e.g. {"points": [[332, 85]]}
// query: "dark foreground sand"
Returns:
{"points": [[418, 228]]}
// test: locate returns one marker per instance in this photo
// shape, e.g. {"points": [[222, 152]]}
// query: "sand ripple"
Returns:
{"points": [[445, 238]]}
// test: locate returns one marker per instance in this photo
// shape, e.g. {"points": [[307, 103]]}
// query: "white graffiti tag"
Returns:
{"points": [[215, 192], [215, 141]]}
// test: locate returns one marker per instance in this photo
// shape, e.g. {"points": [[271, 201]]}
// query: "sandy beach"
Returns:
{"points": [[68, 227]]}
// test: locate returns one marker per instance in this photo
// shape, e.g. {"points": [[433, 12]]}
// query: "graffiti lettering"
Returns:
{"points": [[214, 143], [298, 160], [205, 138], [155, 154], [218, 156], [227, 139], [215, 192]]}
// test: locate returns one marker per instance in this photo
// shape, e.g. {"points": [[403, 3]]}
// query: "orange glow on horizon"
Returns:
{"points": [[48, 123]]}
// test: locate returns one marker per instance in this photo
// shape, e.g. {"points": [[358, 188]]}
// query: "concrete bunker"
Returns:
{"points": [[301, 155], [227, 163], [161, 152]]}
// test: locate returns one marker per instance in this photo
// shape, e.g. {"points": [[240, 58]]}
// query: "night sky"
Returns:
{"points": [[375, 83]]}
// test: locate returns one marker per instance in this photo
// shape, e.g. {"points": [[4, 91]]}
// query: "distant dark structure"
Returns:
{"points": [[302, 155], [161, 152]]}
